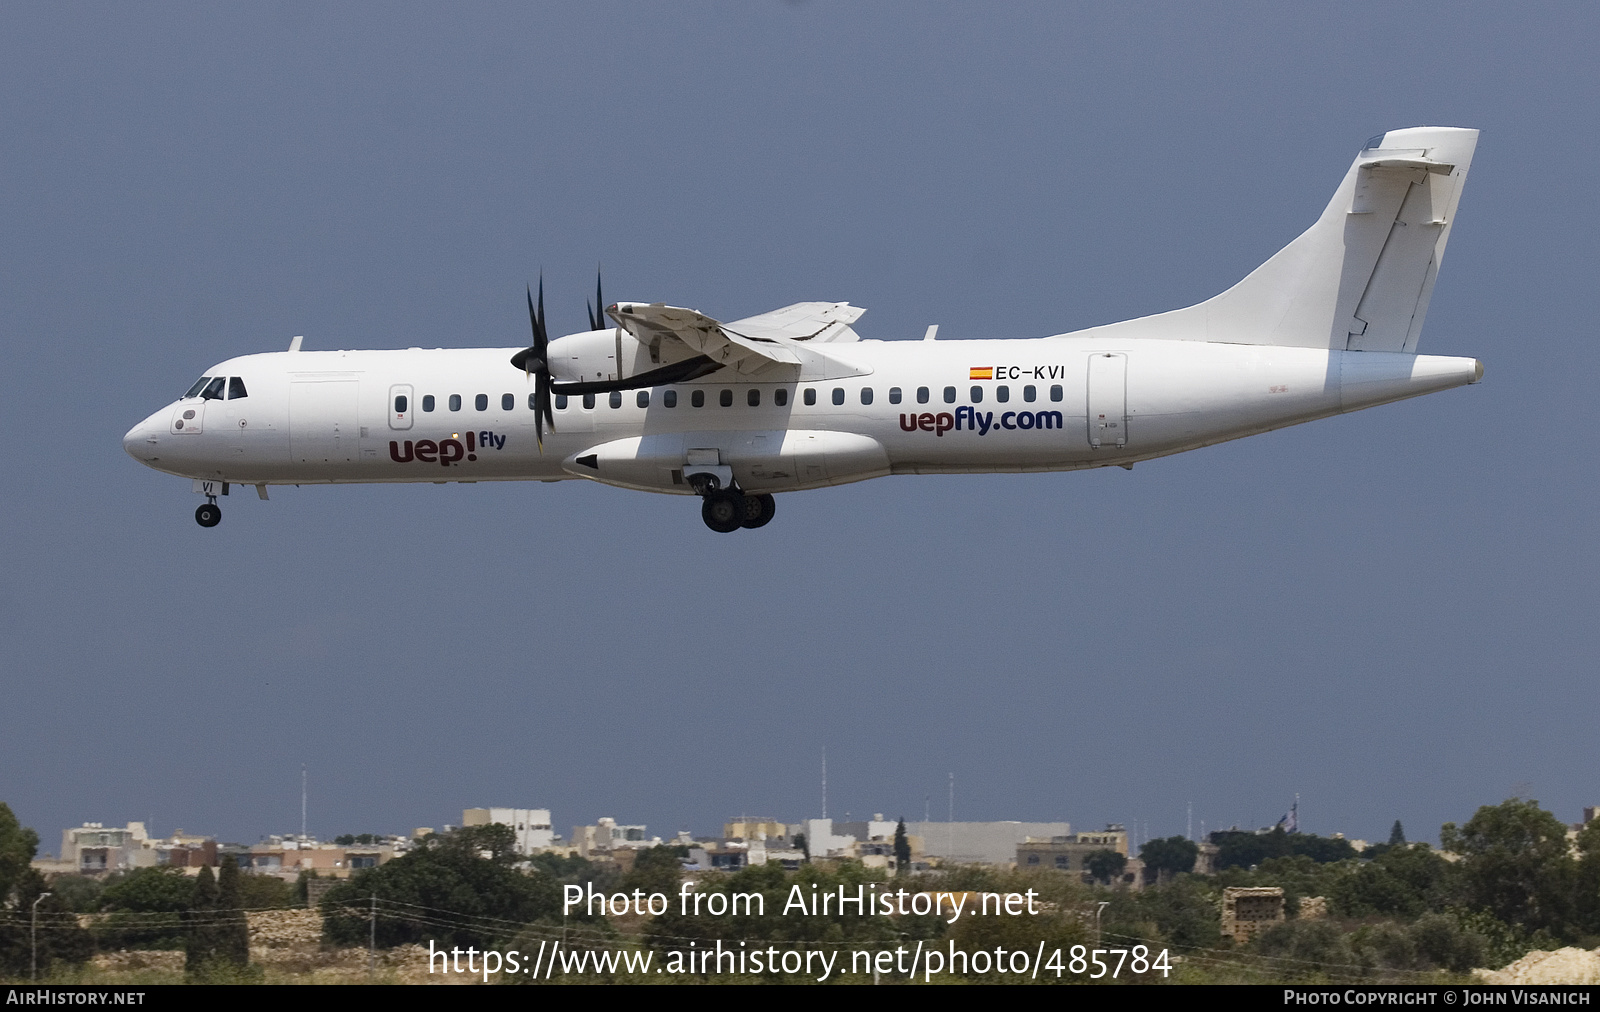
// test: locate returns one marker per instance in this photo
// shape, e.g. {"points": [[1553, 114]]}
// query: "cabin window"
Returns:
{"points": [[400, 404], [1055, 392], [642, 398], [588, 401], [838, 395], [669, 398], [199, 385], [922, 395], [698, 398], [811, 395], [236, 389], [427, 402], [866, 395], [894, 395], [1030, 393], [455, 402], [481, 402], [949, 395], [753, 398], [725, 398], [213, 390], [616, 398], [561, 401], [780, 396], [1002, 393], [508, 402]]}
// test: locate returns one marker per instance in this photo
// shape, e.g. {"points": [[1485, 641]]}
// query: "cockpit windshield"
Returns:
{"points": [[214, 388]]}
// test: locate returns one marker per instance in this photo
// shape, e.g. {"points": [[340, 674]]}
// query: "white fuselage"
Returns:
{"points": [[871, 408]]}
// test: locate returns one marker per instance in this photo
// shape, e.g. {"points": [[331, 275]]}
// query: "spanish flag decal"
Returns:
{"points": [[981, 372]]}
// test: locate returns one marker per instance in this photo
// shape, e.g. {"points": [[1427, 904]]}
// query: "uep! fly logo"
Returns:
{"points": [[446, 451]]}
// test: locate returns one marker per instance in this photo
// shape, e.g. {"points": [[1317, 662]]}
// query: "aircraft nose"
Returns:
{"points": [[142, 441]]}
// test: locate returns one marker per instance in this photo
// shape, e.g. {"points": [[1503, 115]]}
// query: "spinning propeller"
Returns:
{"points": [[535, 361]]}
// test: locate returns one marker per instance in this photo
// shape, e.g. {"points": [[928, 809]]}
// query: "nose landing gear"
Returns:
{"points": [[727, 510], [208, 514]]}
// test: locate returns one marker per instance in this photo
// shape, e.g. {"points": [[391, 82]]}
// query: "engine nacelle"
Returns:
{"points": [[614, 359], [598, 356]]}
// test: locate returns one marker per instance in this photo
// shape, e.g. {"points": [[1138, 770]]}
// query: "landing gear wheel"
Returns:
{"points": [[208, 514], [723, 511], [758, 510]]}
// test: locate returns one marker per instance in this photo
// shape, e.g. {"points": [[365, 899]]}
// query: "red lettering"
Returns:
{"points": [[907, 422], [394, 452], [944, 423], [925, 422], [426, 449], [450, 451]]}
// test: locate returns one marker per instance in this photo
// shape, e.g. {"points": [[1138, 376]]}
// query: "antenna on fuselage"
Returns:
{"points": [[294, 342]]}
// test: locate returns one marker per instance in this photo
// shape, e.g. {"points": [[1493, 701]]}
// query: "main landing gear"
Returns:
{"points": [[727, 510], [208, 514]]}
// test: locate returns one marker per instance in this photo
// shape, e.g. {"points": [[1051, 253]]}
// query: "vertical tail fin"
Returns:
{"points": [[1360, 279]]}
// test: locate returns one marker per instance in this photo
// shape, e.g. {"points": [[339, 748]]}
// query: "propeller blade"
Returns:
{"points": [[533, 322], [536, 363], [597, 314]]}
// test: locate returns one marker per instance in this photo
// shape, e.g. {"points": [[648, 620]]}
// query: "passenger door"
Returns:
{"points": [[401, 406], [1108, 400]]}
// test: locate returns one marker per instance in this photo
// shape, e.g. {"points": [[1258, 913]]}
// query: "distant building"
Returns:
{"points": [[747, 828], [606, 837], [287, 856], [822, 841], [1248, 911], [1071, 853], [93, 849], [532, 825], [876, 829], [992, 843], [732, 855]]}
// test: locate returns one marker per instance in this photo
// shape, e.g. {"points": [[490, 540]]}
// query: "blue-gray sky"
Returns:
{"points": [[1392, 614]]}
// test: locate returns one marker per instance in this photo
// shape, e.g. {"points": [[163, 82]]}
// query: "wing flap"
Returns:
{"points": [[744, 352], [819, 322]]}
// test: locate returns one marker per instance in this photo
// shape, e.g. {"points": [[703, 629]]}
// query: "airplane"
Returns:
{"points": [[666, 399]]}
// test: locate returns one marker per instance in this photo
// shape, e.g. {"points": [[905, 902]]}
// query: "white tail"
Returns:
{"points": [[1360, 278]]}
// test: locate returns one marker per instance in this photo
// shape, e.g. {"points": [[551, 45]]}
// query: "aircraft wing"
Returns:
{"points": [[747, 345]]}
